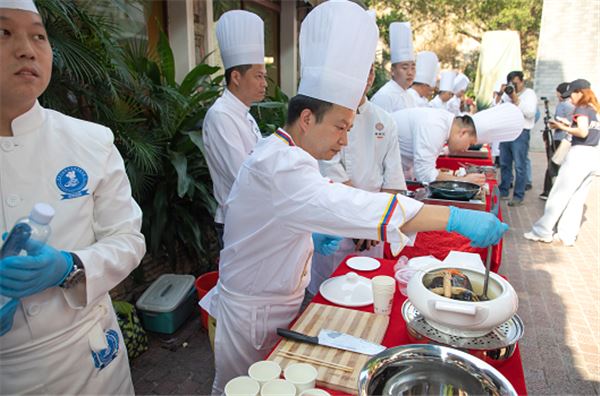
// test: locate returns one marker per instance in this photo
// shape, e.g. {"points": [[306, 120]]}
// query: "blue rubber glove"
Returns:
{"points": [[43, 267], [7, 314], [482, 228], [326, 244]]}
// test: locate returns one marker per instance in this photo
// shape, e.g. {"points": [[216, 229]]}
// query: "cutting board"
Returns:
{"points": [[357, 323]]}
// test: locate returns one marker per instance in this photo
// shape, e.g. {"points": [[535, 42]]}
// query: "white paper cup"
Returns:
{"points": [[302, 375], [315, 392], [278, 387], [264, 371], [383, 294], [242, 386]]}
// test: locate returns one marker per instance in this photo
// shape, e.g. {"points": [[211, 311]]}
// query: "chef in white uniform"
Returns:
{"points": [[445, 93], [393, 96], [371, 161], [229, 130], [64, 337], [461, 83], [426, 77], [423, 132], [279, 196]]}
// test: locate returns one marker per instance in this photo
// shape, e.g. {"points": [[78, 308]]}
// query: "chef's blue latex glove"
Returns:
{"points": [[326, 244], [7, 313], [482, 228], [43, 267]]}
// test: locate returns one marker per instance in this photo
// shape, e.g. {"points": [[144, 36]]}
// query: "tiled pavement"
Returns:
{"points": [[559, 294]]}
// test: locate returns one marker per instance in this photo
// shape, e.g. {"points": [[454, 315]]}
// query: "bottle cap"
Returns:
{"points": [[42, 213]]}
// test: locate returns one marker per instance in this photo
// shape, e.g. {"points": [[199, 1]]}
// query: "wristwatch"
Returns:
{"points": [[76, 275]]}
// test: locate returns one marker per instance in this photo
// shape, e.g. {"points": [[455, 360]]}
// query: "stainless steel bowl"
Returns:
{"points": [[430, 370]]}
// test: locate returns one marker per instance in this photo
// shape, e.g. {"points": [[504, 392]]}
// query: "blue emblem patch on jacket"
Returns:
{"points": [[72, 181], [107, 355]]}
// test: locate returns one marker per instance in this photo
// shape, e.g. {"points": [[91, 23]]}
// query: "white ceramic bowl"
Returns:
{"points": [[278, 387], [264, 371], [464, 318], [302, 375]]}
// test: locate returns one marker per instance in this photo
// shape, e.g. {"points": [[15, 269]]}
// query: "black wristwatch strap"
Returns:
{"points": [[77, 273]]}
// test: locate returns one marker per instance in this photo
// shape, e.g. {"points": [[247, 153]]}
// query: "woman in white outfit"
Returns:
{"points": [[564, 208]]}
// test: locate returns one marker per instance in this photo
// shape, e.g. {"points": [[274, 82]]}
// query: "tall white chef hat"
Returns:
{"points": [[461, 82], [25, 5], [502, 123], [241, 38], [401, 44], [447, 80], [337, 47], [427, 68]]}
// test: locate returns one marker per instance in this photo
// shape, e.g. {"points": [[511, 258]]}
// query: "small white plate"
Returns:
{"points": [[363, 263], [350, 290]]}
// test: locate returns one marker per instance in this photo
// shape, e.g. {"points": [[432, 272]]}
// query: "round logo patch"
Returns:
{"points": [[379, 126], [72, 181]]}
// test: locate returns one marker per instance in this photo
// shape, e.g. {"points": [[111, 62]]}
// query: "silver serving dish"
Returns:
{"points": [[495, 347], [430, 370]]}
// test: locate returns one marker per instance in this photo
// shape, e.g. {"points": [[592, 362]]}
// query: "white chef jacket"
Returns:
{"points": [[392, 97], [278, 199], [371, 161], [229, 132], [527, 105], [437, 103], [418, 100], [422, 133], [454, 105], [73, 166]]}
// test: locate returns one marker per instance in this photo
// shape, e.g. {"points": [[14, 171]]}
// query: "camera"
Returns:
{"points": [[509, 89]]}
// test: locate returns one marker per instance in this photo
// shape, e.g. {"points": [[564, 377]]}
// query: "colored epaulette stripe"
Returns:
{"points": [[285, 137], [387, 214]]}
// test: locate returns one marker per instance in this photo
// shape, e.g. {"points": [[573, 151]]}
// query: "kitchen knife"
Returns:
{"points": [[335, 339]]}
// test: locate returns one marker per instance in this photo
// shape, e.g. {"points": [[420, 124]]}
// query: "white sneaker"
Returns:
{"points": [[536, 238]]}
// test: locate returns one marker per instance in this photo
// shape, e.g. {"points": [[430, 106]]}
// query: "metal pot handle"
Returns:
{"points": [[462, 309]]}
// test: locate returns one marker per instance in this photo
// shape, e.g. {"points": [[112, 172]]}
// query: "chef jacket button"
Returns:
{"points": [[7, 145], [13, 200], [33, 309]]}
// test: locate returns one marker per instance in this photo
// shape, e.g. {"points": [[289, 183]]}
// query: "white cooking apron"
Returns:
{"points": [[247, 329], [88, 357]]}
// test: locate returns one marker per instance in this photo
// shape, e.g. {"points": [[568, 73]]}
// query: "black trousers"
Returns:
{"points": [[552, 169]]}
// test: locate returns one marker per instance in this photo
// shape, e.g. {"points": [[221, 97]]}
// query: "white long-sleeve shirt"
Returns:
{"points": [[437, 103], [392, 97], [229, 133], [527, 105], [422, 134], [371, 160], [417, 99]]}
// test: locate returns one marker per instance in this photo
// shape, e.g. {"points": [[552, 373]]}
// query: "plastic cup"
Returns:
{"points": [[383, 294], [242, 386], [264, 371], [315, 392], [278, 387], [402, 277], [302, 375]]}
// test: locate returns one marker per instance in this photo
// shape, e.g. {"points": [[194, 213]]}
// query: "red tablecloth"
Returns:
{"points": [[397, 333], [440, 243], [453, 163]]}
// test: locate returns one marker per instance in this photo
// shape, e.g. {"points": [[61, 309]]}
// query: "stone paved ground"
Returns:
{"points": [[559, 294]]}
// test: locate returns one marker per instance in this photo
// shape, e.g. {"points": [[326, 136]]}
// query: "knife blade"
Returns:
{"points": [[335, 339]]}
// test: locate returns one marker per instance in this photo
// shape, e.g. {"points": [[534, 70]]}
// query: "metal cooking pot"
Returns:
{"points": [[456, 190], [430, 370]]}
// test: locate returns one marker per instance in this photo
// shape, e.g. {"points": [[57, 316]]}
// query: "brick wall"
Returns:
{"points": [[568, 49]]}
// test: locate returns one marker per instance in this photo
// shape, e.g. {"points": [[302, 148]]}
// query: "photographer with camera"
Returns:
{"points": [[517, 150], [564, 112]]}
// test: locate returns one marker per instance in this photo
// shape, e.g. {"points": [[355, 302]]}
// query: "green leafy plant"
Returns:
{"points": [[156, 121]]}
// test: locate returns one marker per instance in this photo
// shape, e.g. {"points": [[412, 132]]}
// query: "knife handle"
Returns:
{"points": [[294, 335]]}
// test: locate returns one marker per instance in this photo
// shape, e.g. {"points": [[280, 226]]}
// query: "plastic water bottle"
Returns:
{"points": [[34, 227]]}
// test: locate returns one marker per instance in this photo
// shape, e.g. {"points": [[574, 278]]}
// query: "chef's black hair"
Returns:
{"points": [[300, 102], [242, 69], [514, 74], [466, 121]]}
